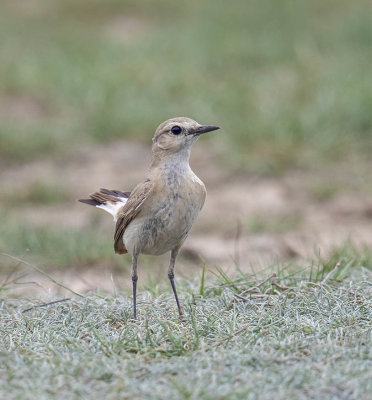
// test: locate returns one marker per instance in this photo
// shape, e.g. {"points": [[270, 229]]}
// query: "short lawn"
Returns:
{"points": [[289, 333]]}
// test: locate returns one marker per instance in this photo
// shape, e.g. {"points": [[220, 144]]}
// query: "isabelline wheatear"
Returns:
{"points": [[157, 215]]}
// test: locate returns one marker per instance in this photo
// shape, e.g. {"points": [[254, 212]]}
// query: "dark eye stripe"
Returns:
{"points": [[176, 130]]}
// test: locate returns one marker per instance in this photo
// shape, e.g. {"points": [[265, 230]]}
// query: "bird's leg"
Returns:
{"points": [[134, 282], [174, 253]]}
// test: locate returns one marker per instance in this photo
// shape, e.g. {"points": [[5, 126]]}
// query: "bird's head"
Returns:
{"points": [[177, 135]]}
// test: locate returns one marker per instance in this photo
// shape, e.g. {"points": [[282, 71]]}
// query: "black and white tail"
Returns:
{"points": [[109, 200]]}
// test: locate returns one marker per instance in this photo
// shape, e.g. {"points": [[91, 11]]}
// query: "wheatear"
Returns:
{"points": [[157, 215]]}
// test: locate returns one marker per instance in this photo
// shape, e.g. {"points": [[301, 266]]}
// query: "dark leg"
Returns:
{"points": [[134, 282], [171, 278]]}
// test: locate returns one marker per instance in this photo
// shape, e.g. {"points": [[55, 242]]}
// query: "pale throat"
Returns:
{"points": [[173, 161]]}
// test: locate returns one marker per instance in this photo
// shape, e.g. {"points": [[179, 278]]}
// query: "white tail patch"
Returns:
{"points": [[113, 207]]}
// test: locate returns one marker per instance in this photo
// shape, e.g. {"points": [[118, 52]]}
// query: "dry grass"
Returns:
{"points": [[296, 335]]}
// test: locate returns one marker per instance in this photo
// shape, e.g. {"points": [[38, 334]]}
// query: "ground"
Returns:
{"points": [[248, 220], [292, 335]]}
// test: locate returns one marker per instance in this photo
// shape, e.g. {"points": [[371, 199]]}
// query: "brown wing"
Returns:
{"points": [[129, 211]]}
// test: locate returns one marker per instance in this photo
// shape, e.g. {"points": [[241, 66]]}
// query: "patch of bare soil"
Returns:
{"points": [[247, 220], [125, 28], [22, 107]]}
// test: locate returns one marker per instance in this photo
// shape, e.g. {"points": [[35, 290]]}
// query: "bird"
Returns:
{"points": [[157, 215]]}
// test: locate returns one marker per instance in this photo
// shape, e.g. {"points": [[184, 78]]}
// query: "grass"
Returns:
{"points": [[289, 83], [56, 247], [273, 225], [301, 334], [40, 192]]}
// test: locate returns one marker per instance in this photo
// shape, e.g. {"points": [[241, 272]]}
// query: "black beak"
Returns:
{"points": [[204, 129]]}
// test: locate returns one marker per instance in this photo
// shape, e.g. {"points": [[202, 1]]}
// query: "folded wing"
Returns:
{"points": [[129, 211]]}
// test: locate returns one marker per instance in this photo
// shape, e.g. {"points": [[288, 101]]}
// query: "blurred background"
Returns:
{"points": [[84, 84]]}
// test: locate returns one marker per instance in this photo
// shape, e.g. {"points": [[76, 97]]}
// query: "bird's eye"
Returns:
{"points": [[176, 130]]}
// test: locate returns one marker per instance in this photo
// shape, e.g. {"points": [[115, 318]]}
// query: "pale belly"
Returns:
{"points": [[165, 225]]}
